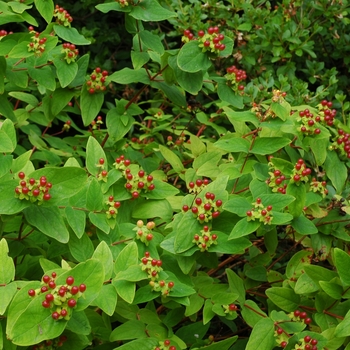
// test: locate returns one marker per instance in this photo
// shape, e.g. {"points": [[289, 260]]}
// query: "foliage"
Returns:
{"points": [[174, 175]]}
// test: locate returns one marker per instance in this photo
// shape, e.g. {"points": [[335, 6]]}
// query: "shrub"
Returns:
{"points": [[174, 175]]}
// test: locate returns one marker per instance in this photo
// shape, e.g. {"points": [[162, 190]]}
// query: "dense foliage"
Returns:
{"points": [[174, 175]]}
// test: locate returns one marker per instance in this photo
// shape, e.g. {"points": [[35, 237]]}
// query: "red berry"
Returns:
{"points": [[140, 185], [135, 194], [296, 178], [159, 263], [279, 331], [70, 280], [194, 210], [72, 302], [167, 342], [185, 208], [52, 284], [141, 173], [31, 292], [74, 290], [303, 315], [149, 237], [232, 307], [219, 203], [201, 217], [198, 201], [144, 261], [45, 304], [307, 320], [49, 297], [200, 33], [46, 279], [64, 312], [283, 344], [296, 313], [199, 182], [151, 187], [25, 190], [171, 284], [215, 214], [47, 196], [101, 161], [149, 178], [307, 339], [314, 342], [44, 289], [55, 315], [21, 175], [207, 206]]}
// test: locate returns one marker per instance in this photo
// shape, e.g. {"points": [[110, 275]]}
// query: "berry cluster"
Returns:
{"points": [[3, 33], [97, 81], [96, 124], [205, 239], [235, 76], [197, 186], [113, 208], [300, 316], [326, 113], [342, 143], [307, 343], [137, 183], [144, 232], [153, 267], [230, 309], [212, 40], [51, 344], [276, 180], [123, 3], [205, 209], [70, 51], [37, 44], [309, 122], [188, 36], [165, 345], [33, 190], [103, 174], [62, 299], [260, 212], [300, 172], [62, 16], [319, 186], [66, 125]]}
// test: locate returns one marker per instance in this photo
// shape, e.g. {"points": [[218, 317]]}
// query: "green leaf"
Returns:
{"points": [[32, 324], [297, 264], [238, 205], [90, 104], [66, 181], [127, 257], [305, 285], [94, 196], [65, 72], [6, 108], [190, 82], [226, 94], [304, 226], [236, 285], [334, 290], [244, 116], [191, 58], [118, 125], [126, 290], [43, 76], [80, 248], [221, 345], [144, 344], [8, 203], [172, 158], [7, 267], [342, 263], [76, 220], [153, 208], [185, 230], [70, 35], [104, 255], [139, 59], [45, 8], [79, 323], [233, 144], [7, 292], [129, 330], [284, 298], [112, 6], [94, 152], [128, 75], [100, 221], [269, 145], [107, 299], [252, 313], [281, 109], [208, 312], [151, 11], [244, 228], [343, 328], [262, 336], [152, 41], [299, 192], [48, 220], [8, 140], [336, 171]]}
